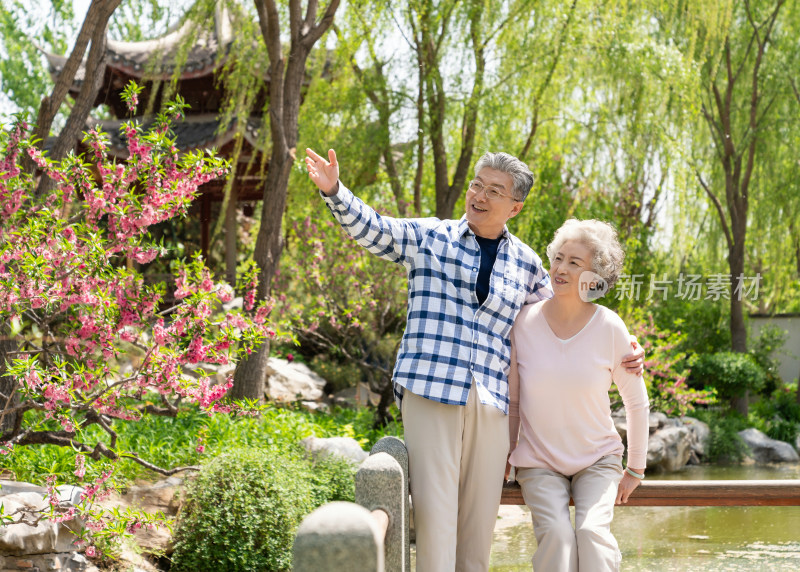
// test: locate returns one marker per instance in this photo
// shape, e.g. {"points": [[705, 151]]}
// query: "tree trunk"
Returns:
{"points": [[737, 156], [738, 328], [93, 29], [9, 397], [250, 374], [285, 90]]}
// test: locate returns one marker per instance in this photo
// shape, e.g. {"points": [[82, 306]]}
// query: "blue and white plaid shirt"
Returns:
{"points": [[449, 338]]}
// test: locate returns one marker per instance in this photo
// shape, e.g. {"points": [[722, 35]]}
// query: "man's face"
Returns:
{"points": [[487, 217]]}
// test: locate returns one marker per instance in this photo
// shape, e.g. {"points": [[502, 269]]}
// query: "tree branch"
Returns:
{"points": [[315, 32], [718, 205]]}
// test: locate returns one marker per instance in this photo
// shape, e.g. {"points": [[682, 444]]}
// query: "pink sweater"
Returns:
{"points": [[559, 391]]}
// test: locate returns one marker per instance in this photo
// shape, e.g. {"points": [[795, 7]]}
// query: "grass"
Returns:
{"points": [[172, 441]]}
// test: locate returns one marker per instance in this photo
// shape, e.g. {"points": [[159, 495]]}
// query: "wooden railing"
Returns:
{"points": [[698, 493]]}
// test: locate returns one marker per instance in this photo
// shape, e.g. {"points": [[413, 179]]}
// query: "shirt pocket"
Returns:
{"points": [[513, 292]]}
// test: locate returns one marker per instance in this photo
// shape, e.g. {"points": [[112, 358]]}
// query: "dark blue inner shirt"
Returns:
{"points": [[488, 256]]}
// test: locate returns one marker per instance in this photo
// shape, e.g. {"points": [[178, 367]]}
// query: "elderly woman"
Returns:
{"points": [[566, 352]]}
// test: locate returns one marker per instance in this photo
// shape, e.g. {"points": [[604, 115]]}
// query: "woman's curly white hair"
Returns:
{"points": [[601, 238]]}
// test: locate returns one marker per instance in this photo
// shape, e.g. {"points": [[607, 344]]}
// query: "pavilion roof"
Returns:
{"points": [[136, 59]]}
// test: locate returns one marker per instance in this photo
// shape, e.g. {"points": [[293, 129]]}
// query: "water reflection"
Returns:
{"points": [[686, 539]]}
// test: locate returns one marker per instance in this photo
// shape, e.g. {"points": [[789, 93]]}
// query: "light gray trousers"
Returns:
{"points": [[589, 546]]}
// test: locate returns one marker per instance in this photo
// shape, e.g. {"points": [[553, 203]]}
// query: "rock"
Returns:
{"points": [[797, 443], [345, 447], [669, 448], [655, 452], [357, 396], [315, 406], [46, 546], [44, 538], [657, 420], [63, 562], [218, 374], [162, 496], [701, 434], [290, 381], [236, 303], [766, 450]]}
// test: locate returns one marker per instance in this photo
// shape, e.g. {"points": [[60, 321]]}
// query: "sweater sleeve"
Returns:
{"points": [[634, 397], [513, 399]]}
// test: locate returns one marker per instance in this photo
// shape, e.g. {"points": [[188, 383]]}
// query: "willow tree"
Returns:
{"points": [[599, 94], [742, 89], [425, 64]]}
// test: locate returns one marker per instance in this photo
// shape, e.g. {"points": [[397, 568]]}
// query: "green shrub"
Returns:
{"points": [[782, 430], [730, 373], [724, 443], [244, 507], [765, 347], [779, 415], [332, 479]]}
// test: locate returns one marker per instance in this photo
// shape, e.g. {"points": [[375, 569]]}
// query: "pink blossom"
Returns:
{"points": [[66, 259], [225, 293], [80, 466], [144, 256]]}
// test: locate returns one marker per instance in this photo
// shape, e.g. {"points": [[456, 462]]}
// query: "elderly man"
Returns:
{"points": [[467, 281]]}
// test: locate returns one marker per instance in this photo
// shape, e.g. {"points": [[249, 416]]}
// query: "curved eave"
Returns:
{"points": [[194, 133]]}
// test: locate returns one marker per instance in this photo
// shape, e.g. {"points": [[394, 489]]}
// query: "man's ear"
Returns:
{"points": [[515, 211]]}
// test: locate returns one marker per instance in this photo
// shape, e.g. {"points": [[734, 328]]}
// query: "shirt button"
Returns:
{"points": [[474, 269]]}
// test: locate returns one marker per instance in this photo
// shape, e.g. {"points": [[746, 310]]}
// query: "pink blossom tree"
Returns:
{"points": [[71, 303]]}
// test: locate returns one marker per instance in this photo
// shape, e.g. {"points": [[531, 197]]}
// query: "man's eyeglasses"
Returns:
{"points": [[491, 193]]}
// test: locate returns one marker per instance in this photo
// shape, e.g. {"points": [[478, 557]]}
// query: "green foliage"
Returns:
{"points": [[778, 416], [242, 510], [23, 77], [705, 322], [730, 373], [768, 343], [332, 479], [346, 307], [173, 441], [339, 374], [724, 443]]}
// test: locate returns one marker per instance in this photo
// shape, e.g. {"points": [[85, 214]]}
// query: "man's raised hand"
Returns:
{"points": [[324, 174]]}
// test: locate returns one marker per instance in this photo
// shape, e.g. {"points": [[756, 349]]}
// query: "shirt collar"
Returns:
{"points": [[465, 230]]}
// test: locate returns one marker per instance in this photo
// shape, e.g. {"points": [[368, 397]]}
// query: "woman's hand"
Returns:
{"points": [[324, 174], [627, 485], [508, 467], [634, 362]]}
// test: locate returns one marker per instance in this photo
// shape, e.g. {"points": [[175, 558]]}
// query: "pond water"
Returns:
{"points": [[685, 539]]}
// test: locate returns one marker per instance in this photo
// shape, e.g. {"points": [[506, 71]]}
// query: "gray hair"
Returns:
{"points": [[601, 238], [505, 163]]}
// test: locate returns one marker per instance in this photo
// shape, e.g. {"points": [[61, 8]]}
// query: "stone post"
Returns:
{"points": [[338, 536], [391, 495]]}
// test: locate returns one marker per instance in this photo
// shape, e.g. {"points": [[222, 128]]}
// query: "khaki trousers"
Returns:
{"points": [[588, 547], [456, 457]]}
